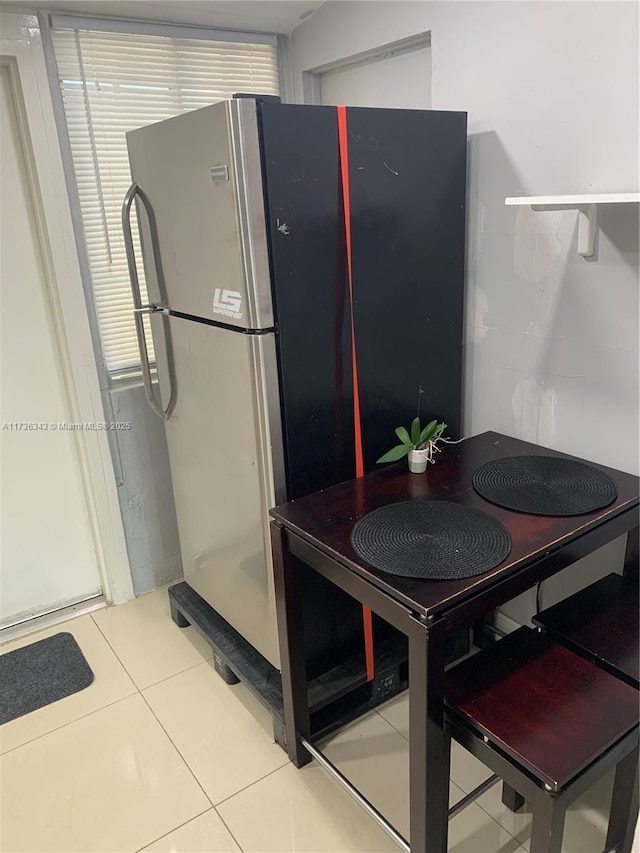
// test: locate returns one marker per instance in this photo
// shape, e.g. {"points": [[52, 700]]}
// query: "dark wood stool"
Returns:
{"points": [[601, 623], [549, 723]]}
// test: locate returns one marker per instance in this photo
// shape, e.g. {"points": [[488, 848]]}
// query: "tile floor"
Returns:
{"points": [[158, 754]]}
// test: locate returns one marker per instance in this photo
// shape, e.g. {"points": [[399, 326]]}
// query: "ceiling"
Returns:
{"points": [[272, 16]]}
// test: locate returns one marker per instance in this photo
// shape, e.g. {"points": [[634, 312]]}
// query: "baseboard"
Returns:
{"points": [[47, 620]]}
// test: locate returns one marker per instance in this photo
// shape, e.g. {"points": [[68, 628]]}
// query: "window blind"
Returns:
{"points": [[114, 82]]}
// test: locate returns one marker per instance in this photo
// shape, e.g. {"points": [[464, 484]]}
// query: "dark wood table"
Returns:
{"points": [[316, 530]]}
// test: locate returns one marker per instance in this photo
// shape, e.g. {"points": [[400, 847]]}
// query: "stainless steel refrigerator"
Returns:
{"points": [[294, 267]]}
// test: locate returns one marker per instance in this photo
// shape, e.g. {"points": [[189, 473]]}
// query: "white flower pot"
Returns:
{"points": [[418, 460]]}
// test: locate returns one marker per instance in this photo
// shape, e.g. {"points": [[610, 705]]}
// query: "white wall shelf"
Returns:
{"points": [[587, 207]]}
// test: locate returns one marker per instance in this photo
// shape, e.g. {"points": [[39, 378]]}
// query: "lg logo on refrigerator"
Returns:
{"points": [[227, 303]]}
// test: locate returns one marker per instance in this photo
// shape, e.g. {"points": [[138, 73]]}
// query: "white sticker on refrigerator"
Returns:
{"points": [[227, 303]]}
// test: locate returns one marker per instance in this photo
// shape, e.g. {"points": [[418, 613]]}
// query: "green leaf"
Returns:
{"points": [[415, 431], [428, 432], [440, 429], [403, 435], [395, 453]]}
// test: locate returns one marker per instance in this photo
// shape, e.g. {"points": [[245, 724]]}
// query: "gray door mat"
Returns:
{"points": [[40, 673]]}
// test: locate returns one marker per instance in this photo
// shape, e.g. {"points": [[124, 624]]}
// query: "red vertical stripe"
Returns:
{"points": [[344, 167], [344, 172]]}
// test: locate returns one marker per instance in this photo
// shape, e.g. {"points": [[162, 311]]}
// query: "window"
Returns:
{"points": [[111, 83]]}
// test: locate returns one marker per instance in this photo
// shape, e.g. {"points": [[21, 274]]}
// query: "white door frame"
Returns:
{"points": [[311, 77], [21, 52]]}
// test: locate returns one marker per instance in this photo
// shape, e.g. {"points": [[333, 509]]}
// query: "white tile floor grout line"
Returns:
{"points": [[251, 784], [147, 686], [166, 678], [313, 763], [213, 805], [350, 725], [175, 829], [228, 828], [392, 726], [105, 638], [187, 765], [173, 675], [68, 723], [214, 674], [494, 819]]}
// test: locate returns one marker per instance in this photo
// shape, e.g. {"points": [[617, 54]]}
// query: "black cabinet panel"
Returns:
{"points": [[301, 175], [407, 179], [407, 175]]}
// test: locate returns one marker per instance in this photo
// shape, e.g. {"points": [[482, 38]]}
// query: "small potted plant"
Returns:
{"points": [[417, 444]]}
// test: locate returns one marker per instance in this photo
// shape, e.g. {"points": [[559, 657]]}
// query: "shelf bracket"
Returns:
{"points": [[587, 230], [587, 206], [587, 224]]}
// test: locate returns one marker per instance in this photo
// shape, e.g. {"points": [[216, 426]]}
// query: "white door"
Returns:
{"points": [[48, 557], [390, 78]]}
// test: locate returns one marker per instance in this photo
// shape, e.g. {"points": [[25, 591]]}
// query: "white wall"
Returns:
{"points": [[551, 90], [379, 82]]}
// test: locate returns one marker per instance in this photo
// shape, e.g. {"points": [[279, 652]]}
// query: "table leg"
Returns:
{"points": [[548, 824], [511, 798], [631, 555], [429, 746], [292, 653], [624, 805]]}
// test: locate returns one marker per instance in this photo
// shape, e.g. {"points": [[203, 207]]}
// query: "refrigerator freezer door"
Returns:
{"points": [[200, 179], [225, 450]]}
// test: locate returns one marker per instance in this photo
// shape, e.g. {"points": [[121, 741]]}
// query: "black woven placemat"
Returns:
{"points": [[437, 540], [40, 673], [544, 485]]}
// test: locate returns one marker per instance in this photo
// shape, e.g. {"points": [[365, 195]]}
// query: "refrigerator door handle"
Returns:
{"points": [[139, 310]]}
